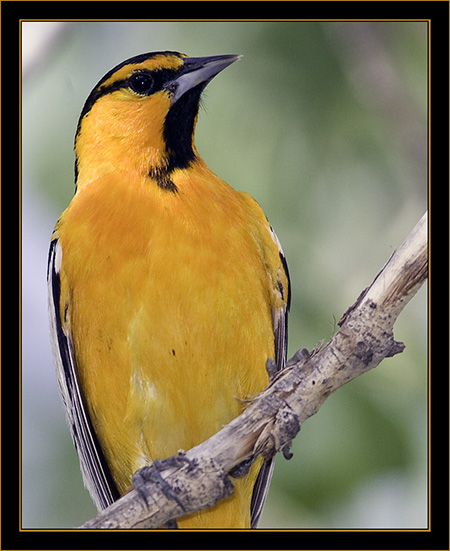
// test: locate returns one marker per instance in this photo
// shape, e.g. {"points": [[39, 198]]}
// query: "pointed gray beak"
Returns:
{"points": [[197, 70]]}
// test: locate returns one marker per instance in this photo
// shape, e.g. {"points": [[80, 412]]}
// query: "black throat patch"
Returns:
{"points": [[179, 127], [178, 135]]}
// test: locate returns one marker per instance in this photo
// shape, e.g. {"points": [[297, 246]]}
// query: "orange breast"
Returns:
{"points": [[169, 301]]}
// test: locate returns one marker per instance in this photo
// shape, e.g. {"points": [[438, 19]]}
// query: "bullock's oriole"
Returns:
{"points": [[168, 289]]}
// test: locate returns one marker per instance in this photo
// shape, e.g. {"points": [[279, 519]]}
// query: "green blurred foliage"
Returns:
{"points": [[324, 123]]}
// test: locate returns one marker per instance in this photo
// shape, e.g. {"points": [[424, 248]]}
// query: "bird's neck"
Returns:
{"points": [[134, 140]]}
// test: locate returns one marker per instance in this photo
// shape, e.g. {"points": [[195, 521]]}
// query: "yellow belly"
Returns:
{"points": [[170, 309]]}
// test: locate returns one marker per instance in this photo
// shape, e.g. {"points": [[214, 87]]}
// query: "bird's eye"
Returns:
{"points": [[141, 83]]}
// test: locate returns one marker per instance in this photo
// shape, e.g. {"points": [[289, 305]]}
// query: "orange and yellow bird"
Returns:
{"points": [[168, 289]]}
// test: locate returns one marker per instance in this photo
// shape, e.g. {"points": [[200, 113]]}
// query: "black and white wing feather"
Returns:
{"points": [[95, 471], [280, 318]]}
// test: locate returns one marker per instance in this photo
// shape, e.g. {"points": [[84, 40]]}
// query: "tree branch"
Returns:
{"points": [[199, 478]]}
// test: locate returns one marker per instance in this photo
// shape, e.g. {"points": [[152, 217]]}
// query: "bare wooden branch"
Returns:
{"points": [[199, 478]]}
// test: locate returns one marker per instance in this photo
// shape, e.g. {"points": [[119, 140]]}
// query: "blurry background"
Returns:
{"points": [[325, 124]]}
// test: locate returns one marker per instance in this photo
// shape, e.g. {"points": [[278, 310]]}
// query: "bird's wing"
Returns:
{"points": [[93, 464], [280, 317]]}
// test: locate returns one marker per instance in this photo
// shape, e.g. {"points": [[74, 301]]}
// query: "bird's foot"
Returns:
{"points": [[152, 473]]}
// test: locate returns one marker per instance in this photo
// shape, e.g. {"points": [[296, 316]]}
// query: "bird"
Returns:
{"points": [[168, 289]]}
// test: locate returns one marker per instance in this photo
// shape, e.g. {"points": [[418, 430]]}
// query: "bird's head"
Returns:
{"points": [[142, 114]]}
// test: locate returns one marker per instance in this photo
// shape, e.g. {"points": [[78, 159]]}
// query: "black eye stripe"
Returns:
{"points": [[160, 77]]}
